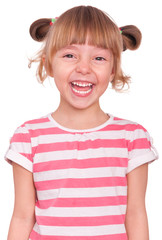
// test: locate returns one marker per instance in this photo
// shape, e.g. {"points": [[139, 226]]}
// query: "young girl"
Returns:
{"points": [[80, 173]]}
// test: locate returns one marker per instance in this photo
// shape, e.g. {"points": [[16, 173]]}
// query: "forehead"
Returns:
{"points": [[90, 38], [86, 48]]}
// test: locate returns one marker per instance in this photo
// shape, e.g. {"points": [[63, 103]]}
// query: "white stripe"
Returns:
{"points": [[55, 138], [80, 173], [82, 192], [19, 159], [138, 152], [138, 161], [80, 231], [81, 154], [21, 147], [140, 133], [82, 211], [21, 130], [36, 126], [123, 122]]}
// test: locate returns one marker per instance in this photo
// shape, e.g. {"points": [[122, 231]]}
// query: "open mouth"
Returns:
{"points": [[82, 88]]}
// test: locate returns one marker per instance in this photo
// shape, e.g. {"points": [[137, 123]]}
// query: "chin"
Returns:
{"points": [[82, 106]]}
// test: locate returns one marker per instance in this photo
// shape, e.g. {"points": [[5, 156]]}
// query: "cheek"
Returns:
{"points": [[110, 74], [106, 77], [57, 73], [60, 79]]}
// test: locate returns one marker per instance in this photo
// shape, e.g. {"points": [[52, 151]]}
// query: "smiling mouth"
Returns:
{"points": [[81, 88]]}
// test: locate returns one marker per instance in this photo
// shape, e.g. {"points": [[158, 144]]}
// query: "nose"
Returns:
{"points": [[83, 66]]}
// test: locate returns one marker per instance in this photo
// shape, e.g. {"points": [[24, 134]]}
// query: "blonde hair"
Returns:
{"points": [[72, 27]]}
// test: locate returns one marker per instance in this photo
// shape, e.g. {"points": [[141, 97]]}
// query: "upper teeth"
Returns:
{"points": [[82, 84]]}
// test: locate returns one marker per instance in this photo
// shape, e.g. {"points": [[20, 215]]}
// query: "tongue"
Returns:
{"points": [[81, 88]]}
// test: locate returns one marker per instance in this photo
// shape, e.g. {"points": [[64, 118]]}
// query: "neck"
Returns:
{"points": [[70, 117]]}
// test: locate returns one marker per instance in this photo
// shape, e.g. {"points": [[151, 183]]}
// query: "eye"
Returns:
{"points": [[69, 56], [100, 59]]}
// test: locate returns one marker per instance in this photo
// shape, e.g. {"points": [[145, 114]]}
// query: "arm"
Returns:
{"points": [[136, 216], [23, 217]]}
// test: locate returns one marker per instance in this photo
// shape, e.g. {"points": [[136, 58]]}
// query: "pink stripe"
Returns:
{"points": [[46, 131], [117, 118], [104, 143], [141, 143], [126, 127], [56, 130], [20, 137], [35, 121], [82, 202], [80, 221], [81, 183], [28, 156], [85, 163], [36, 236]]}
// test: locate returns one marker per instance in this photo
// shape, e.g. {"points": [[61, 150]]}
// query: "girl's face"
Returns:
{"points": [[82, 74]]}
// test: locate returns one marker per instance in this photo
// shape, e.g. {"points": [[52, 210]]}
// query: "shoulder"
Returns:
{"points": [[128, 125], [38, 121], [132, 130], [32, 127]]}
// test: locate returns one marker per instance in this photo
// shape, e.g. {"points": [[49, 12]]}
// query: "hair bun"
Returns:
{"points": [[131, 37], [39, 29], [131, 34]]}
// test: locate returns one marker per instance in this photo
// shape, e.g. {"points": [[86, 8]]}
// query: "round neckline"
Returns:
{"points": [[80, 130]]}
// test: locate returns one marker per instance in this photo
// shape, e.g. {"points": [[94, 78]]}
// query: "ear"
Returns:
{"points": [[112, 74], [48, 71]]}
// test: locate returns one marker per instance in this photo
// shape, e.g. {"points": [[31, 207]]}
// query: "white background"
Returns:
{"points": [[22, 98]]}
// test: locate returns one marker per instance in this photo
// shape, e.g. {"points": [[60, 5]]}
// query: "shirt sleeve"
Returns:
{"points": [[20, 149], [140, 149]]}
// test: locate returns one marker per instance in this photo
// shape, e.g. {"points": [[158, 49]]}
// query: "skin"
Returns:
{"points": [[83, 63], [23, 217], [136, 217]]}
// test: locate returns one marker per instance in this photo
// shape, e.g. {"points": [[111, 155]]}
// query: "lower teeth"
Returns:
{"points": [[81, 92]]}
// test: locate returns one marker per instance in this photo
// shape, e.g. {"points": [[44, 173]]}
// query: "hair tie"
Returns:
{"points": [[120, 31], [53, 20]]}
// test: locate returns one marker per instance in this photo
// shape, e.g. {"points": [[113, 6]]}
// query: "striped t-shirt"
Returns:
{"points": [[80, 176]]}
